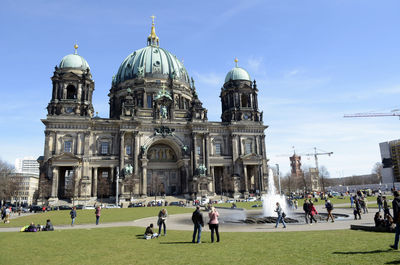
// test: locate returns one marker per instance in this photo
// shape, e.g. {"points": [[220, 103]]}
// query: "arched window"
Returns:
{"points": [[71, 92]]}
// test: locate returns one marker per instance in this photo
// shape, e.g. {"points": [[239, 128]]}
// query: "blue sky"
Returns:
{"points": [[313, 61]]}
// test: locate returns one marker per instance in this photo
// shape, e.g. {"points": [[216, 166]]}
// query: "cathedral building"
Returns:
{"points": [[157, 139]]}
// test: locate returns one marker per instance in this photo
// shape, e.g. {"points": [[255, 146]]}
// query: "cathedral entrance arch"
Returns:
{"points": [[164, 169]]}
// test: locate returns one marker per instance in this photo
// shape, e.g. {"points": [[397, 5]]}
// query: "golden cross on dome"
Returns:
{"points": [[76, 48], [236, 61], [153, 17]]}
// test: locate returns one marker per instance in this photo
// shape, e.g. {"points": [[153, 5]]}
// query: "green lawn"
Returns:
{"points": [[124, 245], [88, 216]]}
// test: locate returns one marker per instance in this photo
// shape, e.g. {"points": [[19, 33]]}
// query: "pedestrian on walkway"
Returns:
{"points": [[379, 202], [213, 215], [357, 208], [97, 212], [281, 217], [162, 216], [313, 212], [386, 208], [306, 209], [396, 218], [73, 215], [329, 208], [197, 219], [351, 201]]}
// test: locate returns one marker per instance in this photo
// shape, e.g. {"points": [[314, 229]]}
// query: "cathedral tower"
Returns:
{"points": [[239, 97], [72, 87]]}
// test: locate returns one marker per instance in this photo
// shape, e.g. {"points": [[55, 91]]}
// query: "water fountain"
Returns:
{"points": [[272, 197]]}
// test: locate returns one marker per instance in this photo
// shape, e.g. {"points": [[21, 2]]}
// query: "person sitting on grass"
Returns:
{"points": [[149, 233], [31, 228], [49, 226], [378, 220]]}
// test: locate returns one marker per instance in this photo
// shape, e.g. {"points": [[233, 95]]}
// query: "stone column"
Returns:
{"points": [[54, 184], [194, 152], [47, 142], [79, 144], [136, 152], [79, 92], [235, 152], [213, 178], [112, 174], [207, 151], [246, 188], [144, 177], [122, 152], [94, 186]]}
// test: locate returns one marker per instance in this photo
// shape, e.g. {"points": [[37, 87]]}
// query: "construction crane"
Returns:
{"points": [[395, 112], [315, 154]]}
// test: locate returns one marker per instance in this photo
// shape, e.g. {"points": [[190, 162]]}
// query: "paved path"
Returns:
{"points": [[183, 222]]}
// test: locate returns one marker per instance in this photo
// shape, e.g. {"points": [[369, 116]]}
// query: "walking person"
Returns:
{"points": [[357, 208], [313, 212], [351, 201], [213, 215], [329, 208], [306, 209], [396, 218], [280, 218], [97, 213], [386, 208], [197, 219], [73, 215], [162, 216]]}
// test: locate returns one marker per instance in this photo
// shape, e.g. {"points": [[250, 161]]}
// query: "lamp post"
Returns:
{"points": [[279, 178]]}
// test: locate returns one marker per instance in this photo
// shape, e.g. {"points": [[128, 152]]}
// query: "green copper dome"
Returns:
{"points": [[237, 73], [151, 61], [74, 61]]}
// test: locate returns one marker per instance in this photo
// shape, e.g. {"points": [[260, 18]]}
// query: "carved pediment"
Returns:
{"points": [[65, 158], [251, 157]]}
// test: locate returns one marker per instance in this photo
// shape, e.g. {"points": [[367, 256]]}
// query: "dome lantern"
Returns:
{"points": [[152, 39], [237, 73]]}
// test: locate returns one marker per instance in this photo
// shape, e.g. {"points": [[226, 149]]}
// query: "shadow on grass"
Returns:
{"points": [[187, 242], [393, 262], [363, 252]]}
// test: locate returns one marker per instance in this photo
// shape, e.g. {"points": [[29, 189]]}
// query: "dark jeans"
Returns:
{"points": [[306, 214], [160, 224], [312, 218], [214, 227], [197, 230], [97, 219], [396, 237]]}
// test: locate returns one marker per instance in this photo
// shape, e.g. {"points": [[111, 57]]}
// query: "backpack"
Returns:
{"points": [[283, 215]]}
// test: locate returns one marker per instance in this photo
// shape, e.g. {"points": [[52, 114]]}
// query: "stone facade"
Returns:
{"points": [[158, 139]]}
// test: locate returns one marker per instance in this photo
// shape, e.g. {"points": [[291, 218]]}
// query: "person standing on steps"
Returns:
{"points": [[97, 213], [396, 218], [197, 219], [162, 216], [213, 215], [73, 215]]}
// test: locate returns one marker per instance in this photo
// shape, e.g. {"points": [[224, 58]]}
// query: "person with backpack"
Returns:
{"points": [[396, 218], [329, 208], [281, 216], [197, 219]]}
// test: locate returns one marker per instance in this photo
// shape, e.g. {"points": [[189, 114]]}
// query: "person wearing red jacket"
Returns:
{"points": [[313, 212]]}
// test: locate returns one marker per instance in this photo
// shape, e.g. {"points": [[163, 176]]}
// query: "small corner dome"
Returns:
{"points": [[237, 73], [74, 61]]}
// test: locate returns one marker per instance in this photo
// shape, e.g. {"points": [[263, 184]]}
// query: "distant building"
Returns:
{"points": [[26, 186], [390, 154], [27, 165]]}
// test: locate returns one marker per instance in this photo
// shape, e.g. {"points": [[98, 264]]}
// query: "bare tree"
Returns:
{"points": [[8, 186], [103, 188], [130, 183], [323, 174], [44, 190], [377, 169]]}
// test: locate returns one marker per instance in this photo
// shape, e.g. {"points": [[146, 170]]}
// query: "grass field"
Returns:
{"points": [[88, 216], [124, 245]]}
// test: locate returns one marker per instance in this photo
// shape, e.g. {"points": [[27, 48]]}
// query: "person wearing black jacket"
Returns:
{"points": [[306, 209], [198, 222], [396, 218]]}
